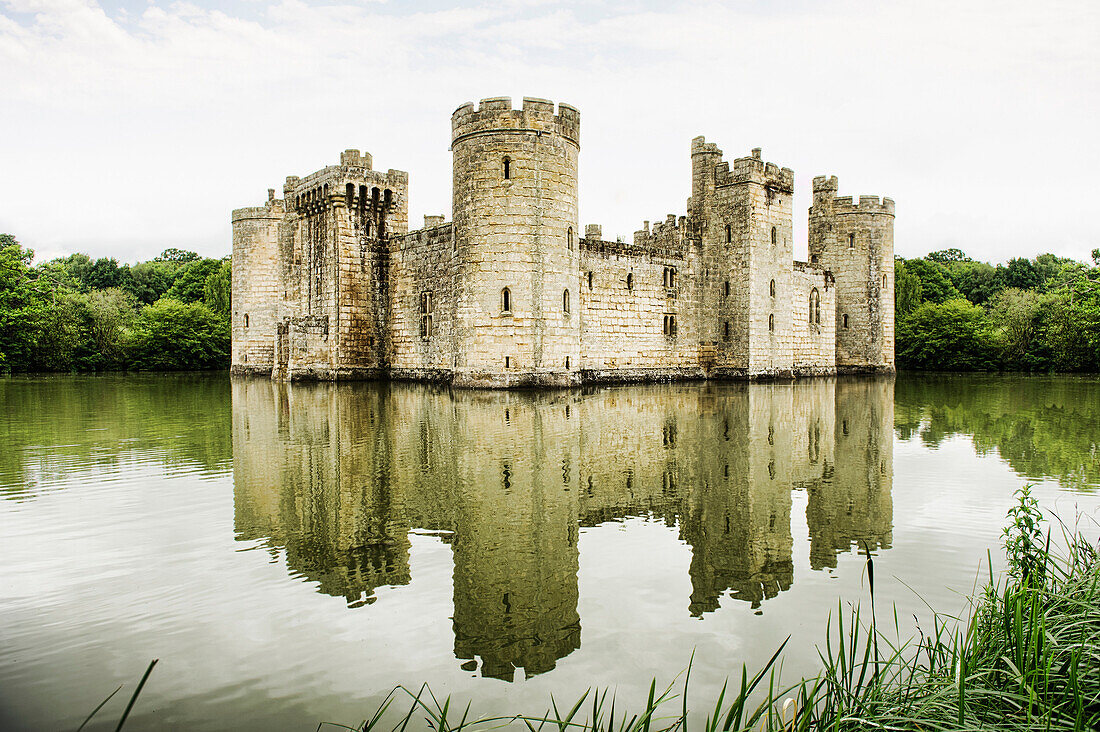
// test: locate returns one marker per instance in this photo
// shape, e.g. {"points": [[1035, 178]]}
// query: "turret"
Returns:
{"points": [[516, 235], [257, 286], [855, 241]]}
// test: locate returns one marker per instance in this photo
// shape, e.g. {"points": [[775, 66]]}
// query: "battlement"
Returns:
{"points": [[496, 116], [826, 183], [753, 169], [700, 146], [866, 204], [352, 158], [593, 231], [273, 209]]}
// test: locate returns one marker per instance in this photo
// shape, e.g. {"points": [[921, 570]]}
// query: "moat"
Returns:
{"points": [[290, 552]]}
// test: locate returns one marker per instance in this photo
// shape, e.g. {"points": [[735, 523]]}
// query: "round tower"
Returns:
{"points": [[517, 240], [256, 286]]}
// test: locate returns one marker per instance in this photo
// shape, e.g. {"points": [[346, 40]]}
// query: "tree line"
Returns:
{"points": [[956, 314], [79, 314]]}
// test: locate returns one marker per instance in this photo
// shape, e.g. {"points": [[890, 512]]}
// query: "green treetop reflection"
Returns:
{"points": [[338, 475]]}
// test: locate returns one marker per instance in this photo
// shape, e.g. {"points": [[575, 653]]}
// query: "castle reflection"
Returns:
{"points": [[338, 475]]}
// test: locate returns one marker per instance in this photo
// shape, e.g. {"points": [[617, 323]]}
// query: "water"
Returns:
{"points": [[290, 553]]}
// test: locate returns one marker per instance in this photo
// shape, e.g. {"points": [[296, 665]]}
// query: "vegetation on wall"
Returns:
{"points": [[79, 314], [955, 314]]}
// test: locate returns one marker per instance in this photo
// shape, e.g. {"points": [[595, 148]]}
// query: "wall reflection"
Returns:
{"points": [[338, 475]]}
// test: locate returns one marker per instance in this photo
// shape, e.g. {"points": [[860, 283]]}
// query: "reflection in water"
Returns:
{"points": [[338, 475], [1041, 426]]}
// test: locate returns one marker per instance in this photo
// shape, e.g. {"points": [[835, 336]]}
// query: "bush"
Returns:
{"points": [[171, 335], [952, 336]]}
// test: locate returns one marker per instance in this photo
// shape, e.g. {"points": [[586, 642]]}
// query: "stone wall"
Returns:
{"points": [[813, 316], [423, 283]]}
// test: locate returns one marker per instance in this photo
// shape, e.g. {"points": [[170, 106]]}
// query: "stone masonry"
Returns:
{"points": [[329, 283]]}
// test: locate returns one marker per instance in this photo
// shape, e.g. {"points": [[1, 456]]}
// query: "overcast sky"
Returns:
{"points": [[128, 127]]}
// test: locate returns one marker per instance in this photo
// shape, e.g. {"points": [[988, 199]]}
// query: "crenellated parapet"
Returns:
{"points": [[496, 116], [753, 169]]}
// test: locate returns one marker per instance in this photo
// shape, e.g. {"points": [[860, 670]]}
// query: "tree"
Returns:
{"points": [[148, 281], [190, 284], [180, 256], [948, 255], [1020, 273], [20, 305], [217, 291], [907, 289], [949, 336], [171, 335], [110, 313], [936, 285], [1014, 313], [1096, 257]]}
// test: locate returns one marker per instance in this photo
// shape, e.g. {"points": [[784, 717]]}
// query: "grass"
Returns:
{"points": [[1026, 657]]}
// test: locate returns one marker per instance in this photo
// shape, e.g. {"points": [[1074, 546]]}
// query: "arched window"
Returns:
{"points": [[567, 368], [672, 325], [815, 306], [589, 280], [366, 228], [774, 237], [726, 331], [349, 194], [771, 288], [569, 236], [845, 320], [884, 282], [507, 168], [726, 289], [671, 276], [505, 300], [664, 325], [664, 277], [565, 302], [246, 320], [851, 241], [771, 322], [729, 233], [630, 280]]}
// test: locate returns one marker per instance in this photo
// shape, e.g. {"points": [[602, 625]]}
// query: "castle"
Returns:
{"points": [[329, 283]]}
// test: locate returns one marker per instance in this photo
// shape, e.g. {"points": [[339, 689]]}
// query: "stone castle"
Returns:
{"points": [[329, 283]]}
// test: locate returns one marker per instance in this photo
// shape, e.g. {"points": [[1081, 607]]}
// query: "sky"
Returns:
{"points": [[130, 127]]}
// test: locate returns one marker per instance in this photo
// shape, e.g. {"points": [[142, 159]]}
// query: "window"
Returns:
{"points": [[567, 368], [366, 228], [670, 326], [771, 322], [729, 233], [630, 281], [506, 300], [507, 168], [815, 307], [589, 280], [349, 194], [569, 237], [726, 331], [851, 241], [774, 237], [845, 321], [565, 302], [425, 314], [884, 282], [246, 320], [664, 277], [726, 289], [671, 276], [507, 365], [771, 288]]}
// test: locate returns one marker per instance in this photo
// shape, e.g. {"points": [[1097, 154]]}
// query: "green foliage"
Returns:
{"points": [[190, 283], [170, 335], [216, 293], [1020, 273], [936, 285], [952, 336], [908, 292], [179, 256], [948, 255], [79, 314]]}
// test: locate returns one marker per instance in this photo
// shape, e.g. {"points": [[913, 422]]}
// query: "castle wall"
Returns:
{"points": [[422, 329], [255, 287], [634, 326], [813, 320]]}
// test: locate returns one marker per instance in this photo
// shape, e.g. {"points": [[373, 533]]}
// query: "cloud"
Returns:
{"points": [[129, 132]]}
